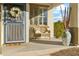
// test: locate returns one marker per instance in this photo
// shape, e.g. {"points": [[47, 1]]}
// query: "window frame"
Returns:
{"points": [[39, 16]]}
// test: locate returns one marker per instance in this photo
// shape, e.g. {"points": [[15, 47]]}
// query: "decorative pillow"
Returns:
{"points": [[43, 29]]}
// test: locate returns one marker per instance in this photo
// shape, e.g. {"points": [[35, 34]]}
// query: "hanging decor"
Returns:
{"points": [[15, 12], [66, 38]]}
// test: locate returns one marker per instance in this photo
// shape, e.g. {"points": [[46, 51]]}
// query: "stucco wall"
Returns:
{"points": [[74, 23], [74, 19]]}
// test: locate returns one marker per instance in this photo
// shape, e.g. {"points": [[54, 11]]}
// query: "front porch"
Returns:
{"points": [[73, 23], [35, 48]]}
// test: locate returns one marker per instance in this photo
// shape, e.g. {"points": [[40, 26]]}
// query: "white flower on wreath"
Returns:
{"points": [[15, 12]]}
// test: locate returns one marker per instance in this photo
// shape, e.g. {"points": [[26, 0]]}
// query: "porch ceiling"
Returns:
{"points": [[53, 4]]}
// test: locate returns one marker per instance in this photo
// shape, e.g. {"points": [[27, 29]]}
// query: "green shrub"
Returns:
{"points": [[58, 29]]}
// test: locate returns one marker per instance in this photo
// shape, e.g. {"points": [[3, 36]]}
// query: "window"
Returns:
{"points": [[45, 18], [39, 16], [35, 21], [40, 20]]}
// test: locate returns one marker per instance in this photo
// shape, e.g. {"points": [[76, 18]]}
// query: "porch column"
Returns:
{"points": [[74, 22], [50, 22], [2, 27], [27, 22], [0, 24], [78, 24]]}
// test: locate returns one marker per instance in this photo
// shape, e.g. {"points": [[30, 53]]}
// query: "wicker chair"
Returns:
{"points": [[39, 32], [33, 33], [45, 32]]}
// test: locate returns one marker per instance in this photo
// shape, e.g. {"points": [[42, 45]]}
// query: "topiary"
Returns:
{"points": [[58, 29]]}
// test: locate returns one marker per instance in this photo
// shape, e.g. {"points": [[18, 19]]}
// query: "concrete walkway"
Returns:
{"points": [[34, 48], [0, 50]]}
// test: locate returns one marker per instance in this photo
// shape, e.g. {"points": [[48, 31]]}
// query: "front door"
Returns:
{"points": [[14, 23]]}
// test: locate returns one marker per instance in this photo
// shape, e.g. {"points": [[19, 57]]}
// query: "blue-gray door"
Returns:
{"points": [[14, 23]]}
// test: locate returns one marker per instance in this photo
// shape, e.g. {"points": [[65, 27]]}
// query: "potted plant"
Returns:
{"points": [[66, 37], [66, 19]]}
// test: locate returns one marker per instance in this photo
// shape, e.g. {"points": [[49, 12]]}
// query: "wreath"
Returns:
{"points": [[15, 12]]}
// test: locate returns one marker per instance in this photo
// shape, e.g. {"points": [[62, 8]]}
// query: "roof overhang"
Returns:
{"points": [[53, 4]]}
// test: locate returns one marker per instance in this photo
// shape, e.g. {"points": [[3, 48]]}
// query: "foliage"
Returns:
{"points": [[58, 29]]}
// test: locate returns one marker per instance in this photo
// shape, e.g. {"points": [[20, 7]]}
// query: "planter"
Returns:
{"points": [[66, 38]]}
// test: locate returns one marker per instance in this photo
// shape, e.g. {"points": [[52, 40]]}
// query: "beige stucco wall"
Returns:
{"points": [[74, 24], [74, 15]]}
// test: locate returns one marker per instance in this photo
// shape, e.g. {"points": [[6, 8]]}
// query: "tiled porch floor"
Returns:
{"points": [[34, 48]]}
